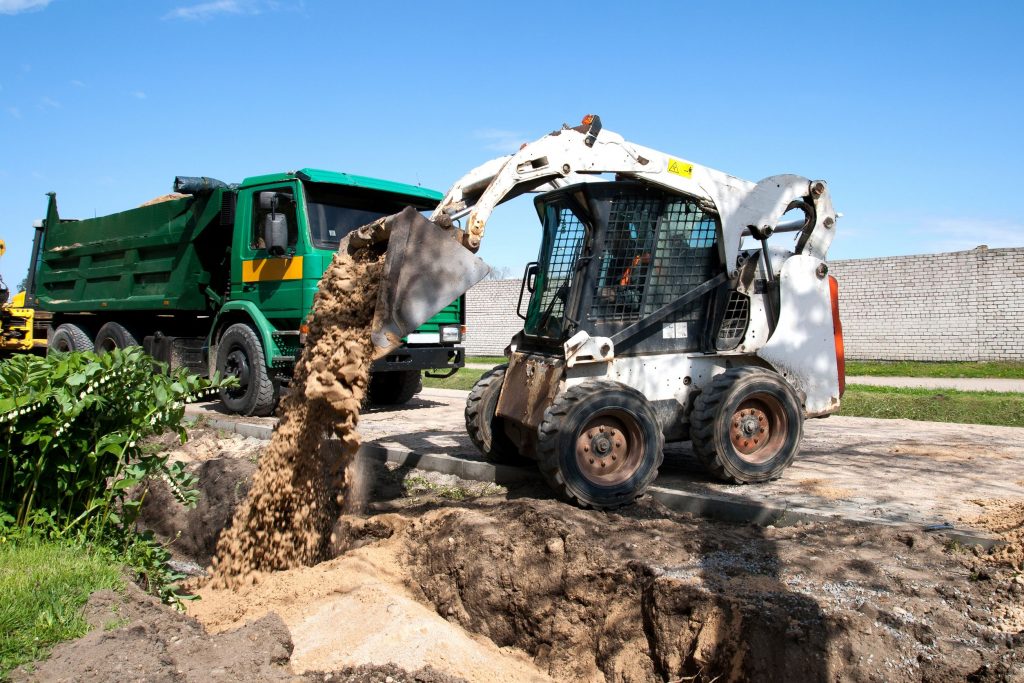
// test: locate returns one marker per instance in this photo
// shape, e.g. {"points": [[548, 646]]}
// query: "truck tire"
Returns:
{"points": [[487, 430], [394, 388], [67, 338], [600, 444], [240, 354], [747, 425], [114, 336]]}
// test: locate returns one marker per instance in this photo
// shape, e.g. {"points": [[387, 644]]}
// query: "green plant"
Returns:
{"points": [[71, 428]]}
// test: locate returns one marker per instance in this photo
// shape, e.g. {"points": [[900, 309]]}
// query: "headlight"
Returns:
{"points": [[450, 333]]}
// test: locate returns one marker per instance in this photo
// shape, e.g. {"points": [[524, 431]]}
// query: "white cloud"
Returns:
{"points": [[14, 111], [78, 84], [139, 95], [49, 103], [207, 10], [19, 6], [499, 140]]}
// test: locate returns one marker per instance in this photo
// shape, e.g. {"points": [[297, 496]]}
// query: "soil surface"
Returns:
{"points": [[445, 580]]}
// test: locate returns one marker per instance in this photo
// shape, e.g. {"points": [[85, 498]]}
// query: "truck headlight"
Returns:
{"points": [[450, 333]]}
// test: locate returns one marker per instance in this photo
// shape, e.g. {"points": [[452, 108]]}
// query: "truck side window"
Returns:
{"points": [[286, 206]]}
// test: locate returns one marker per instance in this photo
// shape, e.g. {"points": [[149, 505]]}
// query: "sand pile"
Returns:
{"points": [[1004, 517], [286, 519]]}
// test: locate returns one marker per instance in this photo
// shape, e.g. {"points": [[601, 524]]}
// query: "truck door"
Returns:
{"points": [[272, 282]]}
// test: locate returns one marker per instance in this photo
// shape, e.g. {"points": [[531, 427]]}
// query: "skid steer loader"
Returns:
{"points": [[660, 309]]}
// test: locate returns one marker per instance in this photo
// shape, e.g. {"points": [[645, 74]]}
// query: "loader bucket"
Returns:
{"points": [[425, 269]]}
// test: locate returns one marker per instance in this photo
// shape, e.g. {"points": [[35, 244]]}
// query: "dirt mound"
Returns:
{"points": [[164, 198], [137, 638], [287, 516]]}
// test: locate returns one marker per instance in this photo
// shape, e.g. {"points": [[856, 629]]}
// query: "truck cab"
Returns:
{"points": [[273, 280]]}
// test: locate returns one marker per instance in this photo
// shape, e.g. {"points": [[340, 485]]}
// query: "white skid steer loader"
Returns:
{"points": [[647, 320]]}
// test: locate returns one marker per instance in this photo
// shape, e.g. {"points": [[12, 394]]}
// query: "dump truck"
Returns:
{"points": [[220, 278], [666, 305]]}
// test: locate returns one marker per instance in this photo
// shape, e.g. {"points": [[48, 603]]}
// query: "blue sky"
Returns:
{"points": [[911, 110]]}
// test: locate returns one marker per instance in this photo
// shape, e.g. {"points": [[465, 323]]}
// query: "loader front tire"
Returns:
{"points": [[487, 430], [240, 354], [600, 444], [394, 388], [747, 425], [67, 338]]}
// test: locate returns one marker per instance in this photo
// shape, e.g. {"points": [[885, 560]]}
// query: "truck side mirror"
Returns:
{"points": [[275, 233], [268, 201]]}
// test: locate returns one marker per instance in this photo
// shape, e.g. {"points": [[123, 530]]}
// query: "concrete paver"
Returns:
{"points": [[896, 471]]}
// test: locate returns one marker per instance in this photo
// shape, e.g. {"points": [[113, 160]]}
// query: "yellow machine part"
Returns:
{"points": [[16, 325]]}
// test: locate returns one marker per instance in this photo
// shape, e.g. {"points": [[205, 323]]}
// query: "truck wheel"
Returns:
{"points": [[600, 444], [747, 425], [487, 430], [114, 336], [67, 338], [394, 388], [240, 354]]}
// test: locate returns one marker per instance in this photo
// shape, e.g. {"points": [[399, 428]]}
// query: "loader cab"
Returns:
{"points": [[612, 254]]}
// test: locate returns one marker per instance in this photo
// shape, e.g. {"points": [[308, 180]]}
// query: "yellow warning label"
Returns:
{"points": [[680, 168]]}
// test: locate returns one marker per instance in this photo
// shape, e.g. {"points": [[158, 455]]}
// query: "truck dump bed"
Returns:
{"points": [[165, 256]]}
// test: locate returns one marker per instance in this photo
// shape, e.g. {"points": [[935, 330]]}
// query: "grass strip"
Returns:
{"points": [[935, 405], [486, 360], [43, 586], [907, 368], [464, 379]]}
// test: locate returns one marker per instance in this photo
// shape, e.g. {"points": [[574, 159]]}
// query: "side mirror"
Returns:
{"points": [[269, 200], [275, 233]]}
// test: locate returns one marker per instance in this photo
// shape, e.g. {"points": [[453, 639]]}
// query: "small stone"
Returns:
{"points": [[554, 546]]}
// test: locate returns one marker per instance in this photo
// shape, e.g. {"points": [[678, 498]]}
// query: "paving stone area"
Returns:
{"points": [[900, 471]]}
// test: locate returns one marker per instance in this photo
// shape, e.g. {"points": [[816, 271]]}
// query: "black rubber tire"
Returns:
{"points": [[394, 388], [114, 336], [68, 337], [240, 353], [563, 425], [487, 430], [713, 417]]}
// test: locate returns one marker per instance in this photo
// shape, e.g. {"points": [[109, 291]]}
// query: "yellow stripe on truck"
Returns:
{"points": [[272, 269]]}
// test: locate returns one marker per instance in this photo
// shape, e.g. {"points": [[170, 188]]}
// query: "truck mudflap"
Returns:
{"points": [[425, 269]]}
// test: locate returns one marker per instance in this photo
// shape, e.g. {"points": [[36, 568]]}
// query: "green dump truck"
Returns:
{"points": [[219, 277]]}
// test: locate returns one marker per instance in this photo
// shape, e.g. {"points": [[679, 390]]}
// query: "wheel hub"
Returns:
{"points": [[757, 428], [237, 365], [607, 451]]}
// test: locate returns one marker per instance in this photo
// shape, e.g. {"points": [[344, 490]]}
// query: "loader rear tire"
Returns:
{"points": [[67, 338], [600, 444], [240, 354], [747, 425], [487, 430], [114, 336], [394, 388]]}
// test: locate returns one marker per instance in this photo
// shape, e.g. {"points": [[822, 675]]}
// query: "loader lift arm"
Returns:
{"points": [[590, 150]]}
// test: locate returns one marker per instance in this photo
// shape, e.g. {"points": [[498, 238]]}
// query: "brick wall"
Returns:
{"points": [[966, 305]]}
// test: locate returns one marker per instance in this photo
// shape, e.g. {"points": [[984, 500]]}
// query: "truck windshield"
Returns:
{"points": [[336, 210]]}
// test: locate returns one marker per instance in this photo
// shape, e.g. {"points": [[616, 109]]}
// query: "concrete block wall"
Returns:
{"points": [[961, 306]]}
